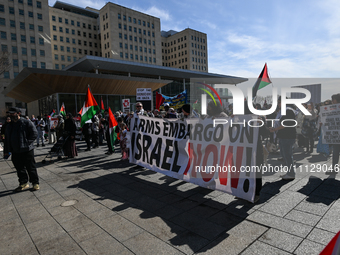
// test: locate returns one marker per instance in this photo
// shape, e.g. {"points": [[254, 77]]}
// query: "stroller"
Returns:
{"points": [[56, 150]]}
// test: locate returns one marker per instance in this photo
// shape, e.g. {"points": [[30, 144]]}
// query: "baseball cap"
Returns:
{"points": [[166, 104], [14, 110]]}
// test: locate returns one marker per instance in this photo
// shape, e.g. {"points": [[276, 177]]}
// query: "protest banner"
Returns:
{"points": [[216, 157], [330, 119]]}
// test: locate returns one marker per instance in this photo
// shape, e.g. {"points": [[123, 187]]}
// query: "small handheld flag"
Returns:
{"points": [[62, 110]]}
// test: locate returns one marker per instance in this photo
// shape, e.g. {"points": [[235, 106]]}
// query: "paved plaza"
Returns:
{"points": [[98, 204]]}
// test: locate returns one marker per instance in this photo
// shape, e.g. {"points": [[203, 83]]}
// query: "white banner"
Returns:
{"points": [[330, 119], [218, 158]]}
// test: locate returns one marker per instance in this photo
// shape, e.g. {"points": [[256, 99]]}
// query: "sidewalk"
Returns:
{"points": [[122, 209]]}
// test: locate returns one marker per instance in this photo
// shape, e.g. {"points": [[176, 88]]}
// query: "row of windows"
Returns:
{"points": [[203, 68], [66, 21], [136, 48], [73, 40], [136, 57], [134, 20], [68, 49], [194, 45], [21, 12], [22, 25], [174, 56], [198, 60], [3, 35], [195, 52], [29, 3], [174, 49], [135, 39], [135, 30], [73, 32], [25, 64], [193, 38], [180, 67], [23, 50], [174, 42], [179, 61], [74, 50]]}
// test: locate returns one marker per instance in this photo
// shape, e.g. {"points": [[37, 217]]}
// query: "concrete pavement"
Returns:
{"points": [[98, 204]]}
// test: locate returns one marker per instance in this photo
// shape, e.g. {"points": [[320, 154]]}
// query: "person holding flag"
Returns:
{"points": [[62, 110], [90, 107], [101, 126]]}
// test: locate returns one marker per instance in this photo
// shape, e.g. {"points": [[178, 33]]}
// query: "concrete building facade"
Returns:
{"points": [[74, 34], [130, 35], [23, 29], [40, 36], [187, 49]]}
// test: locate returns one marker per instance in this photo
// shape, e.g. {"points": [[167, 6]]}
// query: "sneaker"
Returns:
{"points": [[36, 187], [287, 177], [22, 187], [43, 145], [37, 145]]}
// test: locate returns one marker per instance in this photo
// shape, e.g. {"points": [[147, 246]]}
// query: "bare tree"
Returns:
{"points": [[5, 62]]}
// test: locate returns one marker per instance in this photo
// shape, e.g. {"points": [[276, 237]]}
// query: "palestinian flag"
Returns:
{"points": [[62, 110], [90, 107], [52, 115], [262, 81], [102, 109], [112, 126]]}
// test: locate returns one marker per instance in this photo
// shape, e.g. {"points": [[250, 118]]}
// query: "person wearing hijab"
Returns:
{"points": [[70, 149]]}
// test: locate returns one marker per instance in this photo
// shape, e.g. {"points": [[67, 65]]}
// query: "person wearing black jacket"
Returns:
{"points": [[20, 136], [87, 131], [70, 149], [286, 135]]}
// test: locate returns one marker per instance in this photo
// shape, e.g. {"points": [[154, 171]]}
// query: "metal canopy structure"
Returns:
{"points": [[135, 69], [33, 84], [105, 76]]}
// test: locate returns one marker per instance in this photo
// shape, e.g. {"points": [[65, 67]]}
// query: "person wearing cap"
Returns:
{"points": [[139, 110], [20, 136], [187, 112]]}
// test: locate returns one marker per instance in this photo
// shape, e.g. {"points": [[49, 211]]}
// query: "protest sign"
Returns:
{"points": [[330, 119], [218, 158]]}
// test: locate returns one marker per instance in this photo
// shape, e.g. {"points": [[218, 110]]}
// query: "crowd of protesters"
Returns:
{"points": [[96, 131]]}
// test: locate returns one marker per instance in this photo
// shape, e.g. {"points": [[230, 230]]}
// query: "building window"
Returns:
{"points": [[61, 29], [72, 22], [56, 56], [124, 17], [30, 14], [40, 28], [39, 4], [41, 41], [84, 25], [78, 24], [32, 39], [60, 20], [53, 18], [43, 65], [24, 51], [55, 38], [14, 49], [57, 66], [61, 48], [74, 50], [42, 53], [54, 28], [2, 8], [21, 12], [12, 23], [15, 62], [6, 75], [68, 58], [61, 38], [3, 35], [144, 23], [23, 38], [121, 54], [34, 64], [62, 57], [22, 25], [119, 16]]}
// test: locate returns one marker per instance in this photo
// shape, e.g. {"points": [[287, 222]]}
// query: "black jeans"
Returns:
{"points": [[24, 163], [108, 140]]}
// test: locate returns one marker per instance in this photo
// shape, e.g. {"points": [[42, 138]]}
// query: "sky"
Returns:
{"points": [[297, 39]]}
